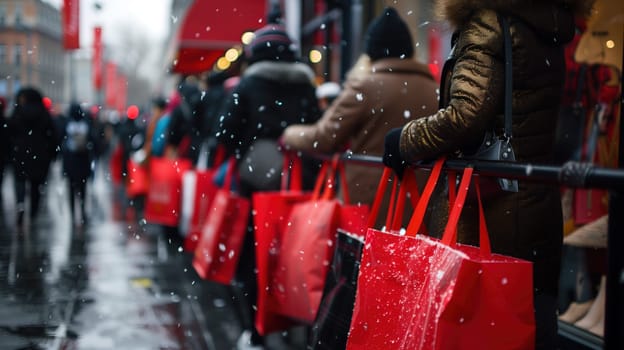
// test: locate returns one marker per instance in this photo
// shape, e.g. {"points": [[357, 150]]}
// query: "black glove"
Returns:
{"points": [[392, 153]]}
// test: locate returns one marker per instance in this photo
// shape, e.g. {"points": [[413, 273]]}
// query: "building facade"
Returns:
{"points": [[31, 50]]}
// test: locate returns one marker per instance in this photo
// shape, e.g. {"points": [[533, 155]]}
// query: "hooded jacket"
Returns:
{"points": [[526, 224], [270, 96]]}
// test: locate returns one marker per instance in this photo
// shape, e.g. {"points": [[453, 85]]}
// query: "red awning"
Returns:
{"points": [[211, 27]]}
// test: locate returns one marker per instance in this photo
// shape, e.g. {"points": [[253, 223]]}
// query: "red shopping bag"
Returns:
{"points": [[205, 190], [416, 292], [271, 213], [331, 327], [218, 250], [306, 249], [163, 198], [137, 184]]}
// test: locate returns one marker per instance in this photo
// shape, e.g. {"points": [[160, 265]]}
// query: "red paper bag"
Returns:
{"points": [[307, 247], [271, 213], [218, 250], [416, 292], [163, 198], [137, 184], [205, 191]]}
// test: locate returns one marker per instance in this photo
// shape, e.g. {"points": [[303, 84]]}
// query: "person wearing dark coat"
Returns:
{"points": [[78, 154], [214, 99], [34, 145], [185, 132], [274, 92], [4, 152], [526, 224]]}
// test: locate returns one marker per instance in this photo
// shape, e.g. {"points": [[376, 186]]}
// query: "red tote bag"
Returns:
{"points": [[218, 250], [205, 191], [416, 292], [271, 213], [163, 198], [137, 184], [307, 247]]}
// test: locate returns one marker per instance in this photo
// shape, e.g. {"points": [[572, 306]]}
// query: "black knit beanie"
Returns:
{"points": [[388, 36], [271, 43]]}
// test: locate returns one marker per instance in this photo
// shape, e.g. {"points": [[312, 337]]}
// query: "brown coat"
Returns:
{"points": [[526, 224], [389, 93]]}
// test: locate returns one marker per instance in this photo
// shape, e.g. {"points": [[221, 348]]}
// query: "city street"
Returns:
{"points": [[111, 285]]}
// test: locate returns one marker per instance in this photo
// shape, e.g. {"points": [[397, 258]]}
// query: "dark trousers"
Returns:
{"points": [[34, 193], [546, 325], [77, 190]]}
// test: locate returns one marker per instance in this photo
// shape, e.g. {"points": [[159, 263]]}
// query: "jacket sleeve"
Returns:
{"points": [[331, 132], [476, 95]]}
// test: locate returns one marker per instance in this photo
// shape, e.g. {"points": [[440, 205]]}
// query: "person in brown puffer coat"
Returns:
{"points": [[526, 224]]}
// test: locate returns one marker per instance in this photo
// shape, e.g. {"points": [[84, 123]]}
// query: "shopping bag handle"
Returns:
{"points": [[394, 216], [325, 181], [449, 237], [219, 156], [291, 172], [419, 213], [381, 189], [408, 185]]}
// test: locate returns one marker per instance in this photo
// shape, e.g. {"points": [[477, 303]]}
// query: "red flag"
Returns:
{"points": [[97, 58], [110, 91], [71, 24]]}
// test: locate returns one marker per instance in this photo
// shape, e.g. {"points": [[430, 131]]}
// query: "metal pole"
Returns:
{"points": [[571, 174], [345, 42]]}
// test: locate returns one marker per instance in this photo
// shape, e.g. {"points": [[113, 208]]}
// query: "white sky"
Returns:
{"points": [[150, 17]]}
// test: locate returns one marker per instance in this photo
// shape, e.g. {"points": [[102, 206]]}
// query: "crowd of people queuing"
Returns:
{"points": [[388, 106]]}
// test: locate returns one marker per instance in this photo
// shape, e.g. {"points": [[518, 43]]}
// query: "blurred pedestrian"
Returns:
{"points": [[274, 91], [4, 152], [185, 129], [526, 224], [78, 153], [159, 105], [385, 88], [131, 139], [33, 146]]}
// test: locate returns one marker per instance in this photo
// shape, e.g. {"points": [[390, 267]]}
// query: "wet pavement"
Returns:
{"points": [[111, 285]]}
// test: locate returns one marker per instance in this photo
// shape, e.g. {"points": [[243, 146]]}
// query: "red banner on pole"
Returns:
{"points": [[71, 24], [97, 58], [110, 90]]}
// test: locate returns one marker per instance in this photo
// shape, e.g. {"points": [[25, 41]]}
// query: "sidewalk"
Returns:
{"points": [[111, 285]]}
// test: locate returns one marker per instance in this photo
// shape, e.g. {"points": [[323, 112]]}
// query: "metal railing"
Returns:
{"points": [[573, 175]]}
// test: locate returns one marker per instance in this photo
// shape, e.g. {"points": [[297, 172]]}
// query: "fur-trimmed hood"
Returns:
{"points": [[547, 17], [287, 72]]}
